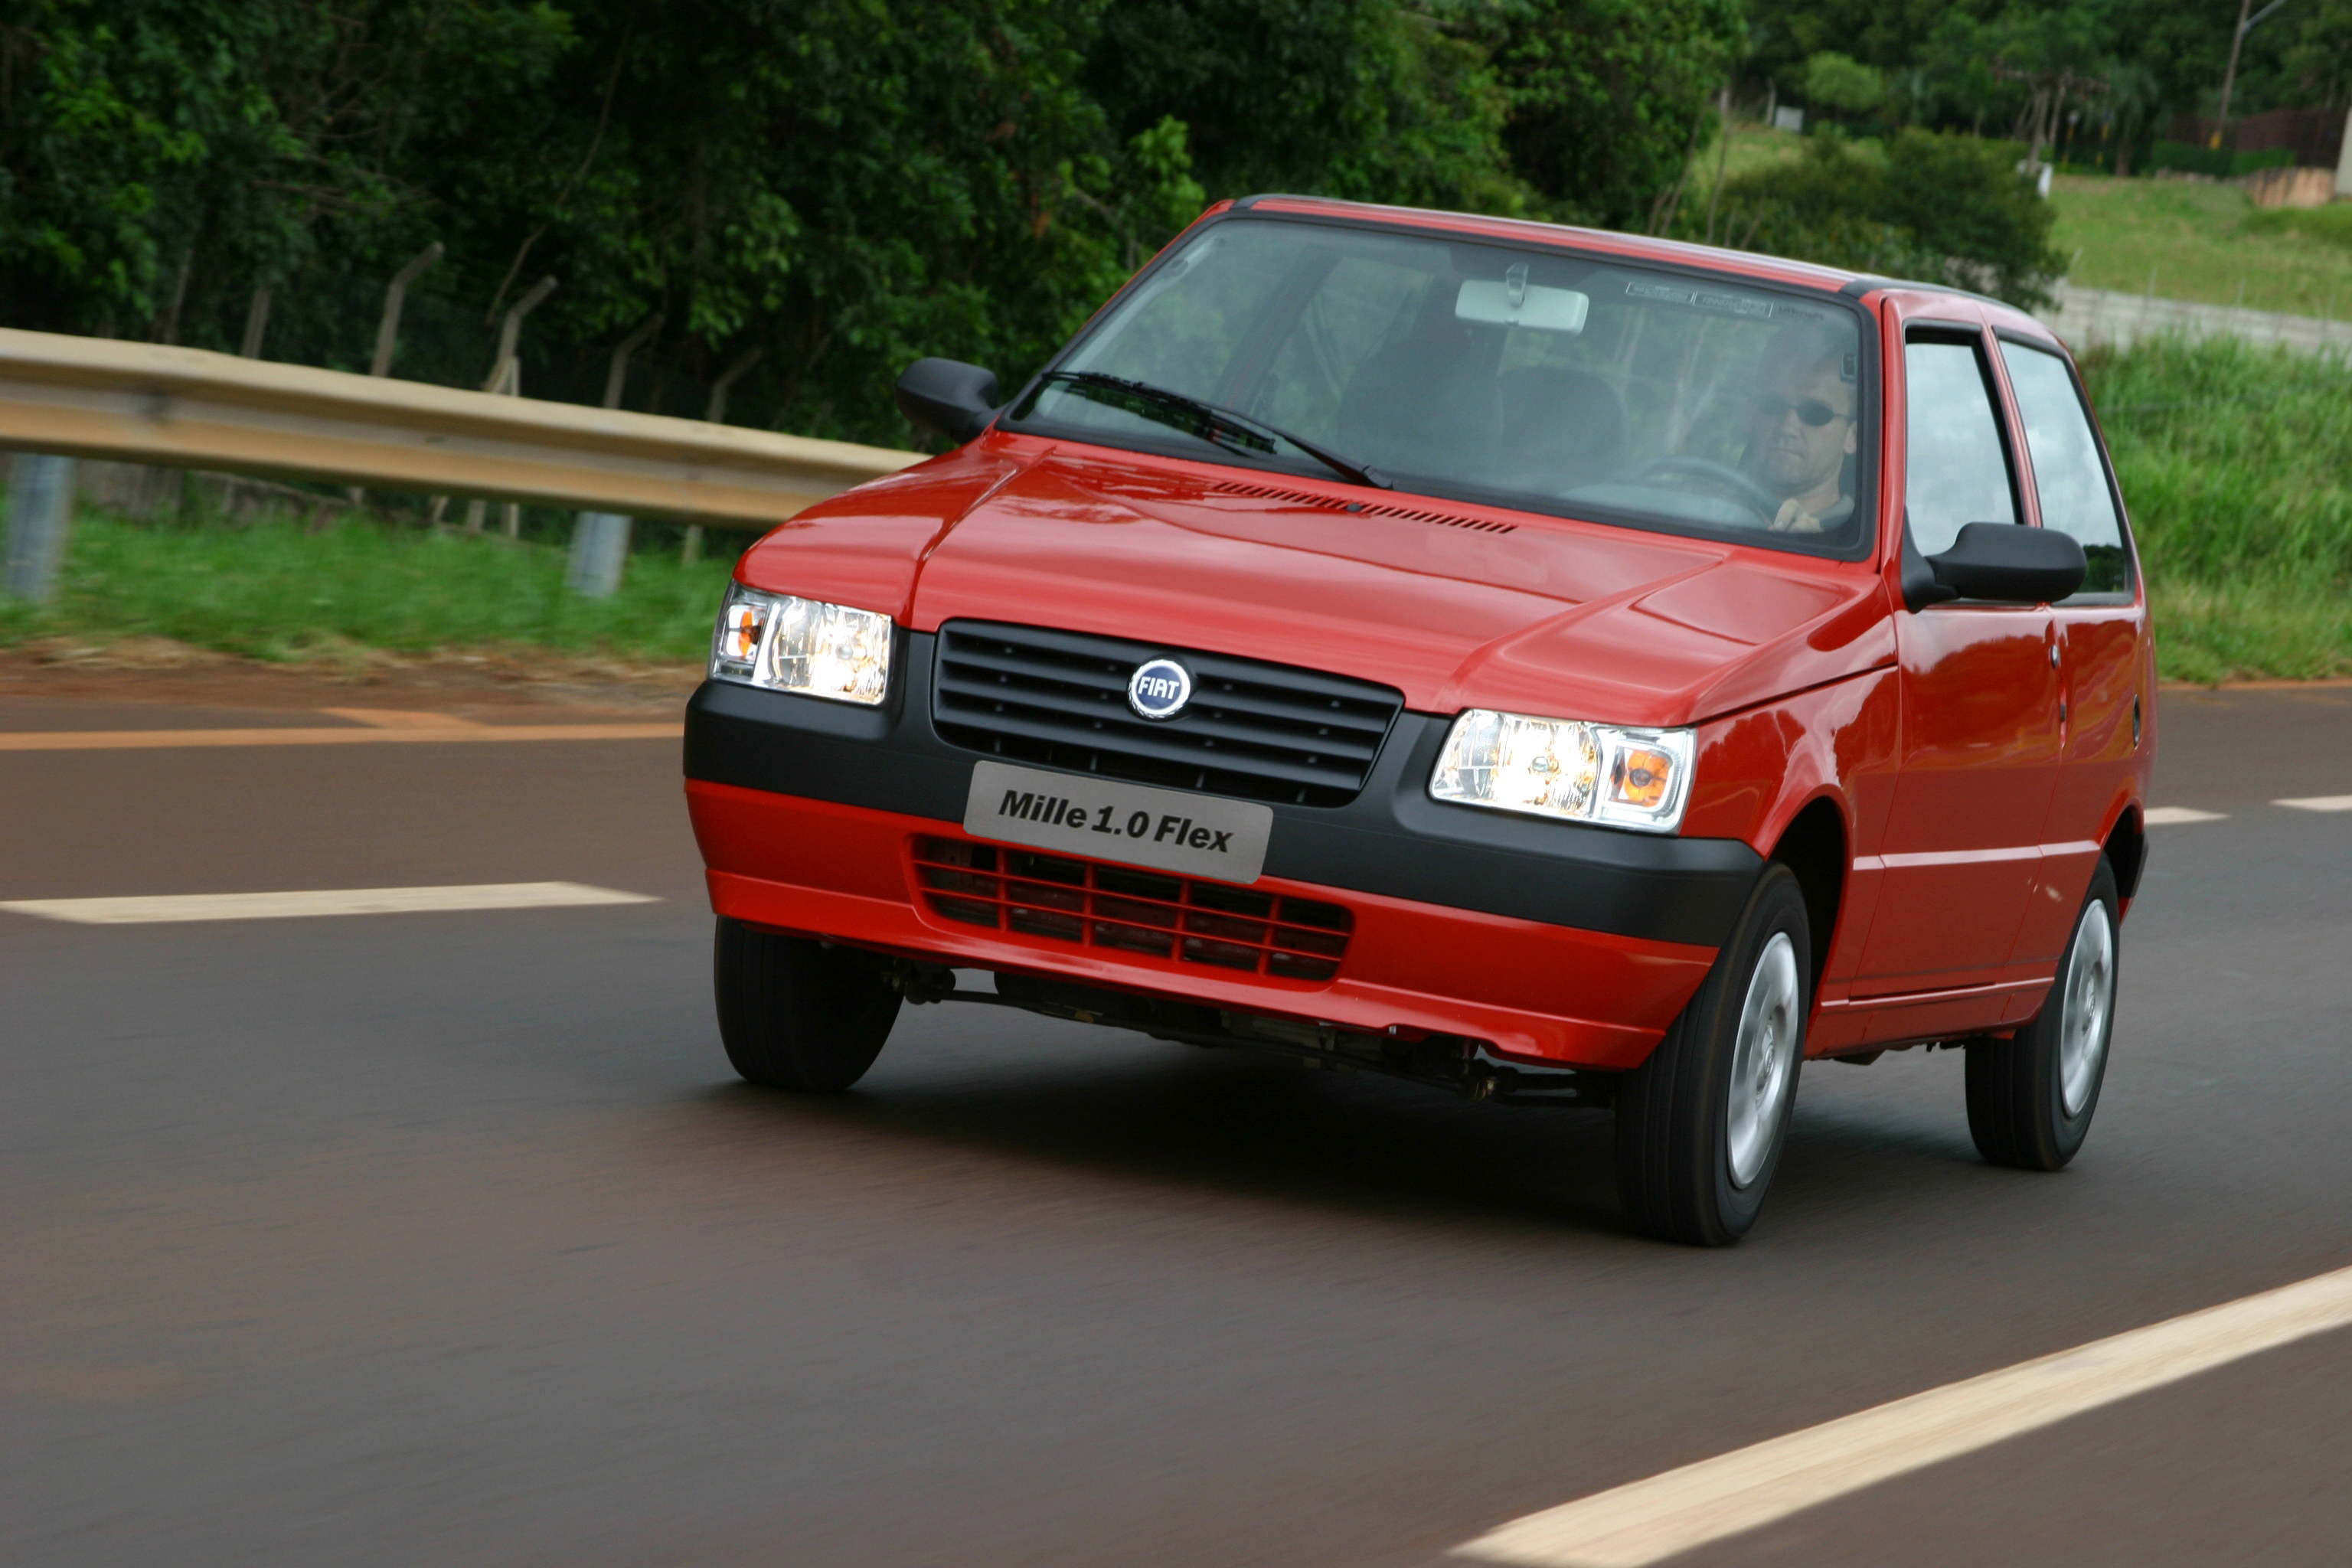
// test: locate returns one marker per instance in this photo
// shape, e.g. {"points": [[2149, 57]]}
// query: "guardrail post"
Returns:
{"points": [[40, 504], [600, 549], [600, 540]]}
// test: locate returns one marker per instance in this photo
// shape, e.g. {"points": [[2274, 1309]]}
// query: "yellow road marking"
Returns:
{"points": [[402, 718]]}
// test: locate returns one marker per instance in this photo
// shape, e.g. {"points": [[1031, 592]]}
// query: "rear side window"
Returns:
{"points": [[2067, 472], [1959, 471]]}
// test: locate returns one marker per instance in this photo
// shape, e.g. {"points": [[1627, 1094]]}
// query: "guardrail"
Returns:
{"points": [[175, 407]]}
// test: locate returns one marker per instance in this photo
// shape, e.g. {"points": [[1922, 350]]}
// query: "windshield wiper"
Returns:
{"points": [[1209, 423]]}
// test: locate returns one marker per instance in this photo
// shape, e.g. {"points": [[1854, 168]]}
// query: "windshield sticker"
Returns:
{"points": [[1705, 299]]}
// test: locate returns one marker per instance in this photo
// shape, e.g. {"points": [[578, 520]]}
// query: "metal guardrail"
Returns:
{"points": [[175, 407]]}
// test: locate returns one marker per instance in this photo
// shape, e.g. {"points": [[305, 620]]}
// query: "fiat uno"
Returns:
{"points": [[1550, 666]]}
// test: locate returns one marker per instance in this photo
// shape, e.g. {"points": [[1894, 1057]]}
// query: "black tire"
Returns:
{"points": [[2018, 1110], [1676, 1172], [798, 1014]]}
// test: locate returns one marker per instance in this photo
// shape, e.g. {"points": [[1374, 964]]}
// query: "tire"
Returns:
{"points": [[1701, 1124], [798, 1014], [2031, 1097]]}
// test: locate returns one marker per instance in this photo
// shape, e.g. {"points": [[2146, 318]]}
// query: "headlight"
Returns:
{"points": [[1559, 767], [802, 646]]}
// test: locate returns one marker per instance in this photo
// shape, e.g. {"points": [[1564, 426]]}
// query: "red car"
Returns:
{"points": [[1551, 666]]}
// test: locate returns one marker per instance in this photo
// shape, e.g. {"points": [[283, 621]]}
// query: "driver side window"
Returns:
{"points": [[1959, 469]]}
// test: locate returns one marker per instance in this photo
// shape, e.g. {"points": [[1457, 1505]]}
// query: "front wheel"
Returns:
{"points": [[797, 1014], [2031, 1097], [1701, 1124]]}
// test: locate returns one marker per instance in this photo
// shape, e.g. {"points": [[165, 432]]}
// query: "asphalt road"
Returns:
{"points": [[449, 1239]]}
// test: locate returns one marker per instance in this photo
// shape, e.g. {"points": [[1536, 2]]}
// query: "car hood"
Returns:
{"points": [[1455, 606]]}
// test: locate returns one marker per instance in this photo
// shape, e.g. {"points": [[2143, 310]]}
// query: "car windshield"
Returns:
{"points": [[1529, 378]]}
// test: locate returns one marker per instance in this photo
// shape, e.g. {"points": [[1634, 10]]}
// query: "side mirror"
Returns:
{"points": [[947, 398], [2011, 565]]}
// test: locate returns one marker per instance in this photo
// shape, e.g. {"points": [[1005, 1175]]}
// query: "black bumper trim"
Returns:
{"points": [[1392, 840]]}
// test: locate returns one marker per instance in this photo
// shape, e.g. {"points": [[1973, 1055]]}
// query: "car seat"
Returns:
{"points": [[1561, 428], [1426, 406]]}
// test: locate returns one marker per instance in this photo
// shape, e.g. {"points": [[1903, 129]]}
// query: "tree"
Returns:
{"points": [[1833, 80], [1608, 99]]}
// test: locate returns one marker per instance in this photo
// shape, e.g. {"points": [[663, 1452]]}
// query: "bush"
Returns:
{"points": [[1942, 209], [1833, 80]]}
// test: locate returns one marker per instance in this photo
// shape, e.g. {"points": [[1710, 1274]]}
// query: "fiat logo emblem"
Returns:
{"points": [[1159, 689]]}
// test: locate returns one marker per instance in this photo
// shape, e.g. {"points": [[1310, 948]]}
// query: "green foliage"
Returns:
{"points": [[1946, 208], [1994, 65], [1838, 82], [1608, 98], [1330, 97]]}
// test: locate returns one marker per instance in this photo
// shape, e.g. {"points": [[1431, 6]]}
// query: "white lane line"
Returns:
{"points": [[2319, 803], [2166, 816], [321, 901], [1649, 1520], [148, 740]]}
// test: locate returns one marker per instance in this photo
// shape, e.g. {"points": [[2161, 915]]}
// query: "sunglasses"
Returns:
{"points": [[1812, 411]]}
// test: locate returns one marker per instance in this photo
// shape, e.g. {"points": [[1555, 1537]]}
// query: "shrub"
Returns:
{"points": [[1943, 208]]}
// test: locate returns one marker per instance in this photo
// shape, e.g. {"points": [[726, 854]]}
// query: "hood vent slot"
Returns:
{"points": [[1367, 508]]}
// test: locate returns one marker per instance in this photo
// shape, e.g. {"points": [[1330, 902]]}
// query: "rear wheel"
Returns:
{"points": [[796, 1013], [1701, 1124], [2030, 1098]]}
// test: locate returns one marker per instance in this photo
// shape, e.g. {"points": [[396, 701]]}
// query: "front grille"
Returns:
{"points": [[1261, 732], [1136, 913]]}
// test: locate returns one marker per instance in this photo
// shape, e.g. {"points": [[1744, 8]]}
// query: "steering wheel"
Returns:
{"points": [[1743, 488]]}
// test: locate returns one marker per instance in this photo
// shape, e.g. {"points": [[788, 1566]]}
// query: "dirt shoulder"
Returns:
{"points": [[483, 686]]}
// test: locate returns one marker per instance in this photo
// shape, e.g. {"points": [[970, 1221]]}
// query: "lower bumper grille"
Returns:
{"points": [[1136, 913]]}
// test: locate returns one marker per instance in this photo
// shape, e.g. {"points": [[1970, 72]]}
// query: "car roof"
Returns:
{"points": [[1715, 258]]}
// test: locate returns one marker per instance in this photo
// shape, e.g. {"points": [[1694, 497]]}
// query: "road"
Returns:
{"points": [[449, 1239]]}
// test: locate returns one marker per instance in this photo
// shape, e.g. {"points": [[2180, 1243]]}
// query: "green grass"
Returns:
{"points": [[272, 590], [2236, 462], [2329, 225], [2202, 242]]}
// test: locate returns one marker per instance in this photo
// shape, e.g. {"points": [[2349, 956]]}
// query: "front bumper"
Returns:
{"points": [[1558, 943]]}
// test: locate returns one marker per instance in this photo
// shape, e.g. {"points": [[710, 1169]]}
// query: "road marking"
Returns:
{"points": [[2166, 815], [2319, 803], [1649, 1520], [402, 718], [147, 740], [323, 901]]}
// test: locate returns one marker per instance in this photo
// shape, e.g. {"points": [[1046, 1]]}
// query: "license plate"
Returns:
{"points": [[1166, 829]]}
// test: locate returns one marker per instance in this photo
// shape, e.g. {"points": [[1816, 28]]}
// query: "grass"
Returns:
{"points": [[2202, 242], [2236, 461], [273, 589]]}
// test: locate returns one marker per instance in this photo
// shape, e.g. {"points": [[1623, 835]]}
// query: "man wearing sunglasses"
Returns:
{"points": [[1801, 428]]}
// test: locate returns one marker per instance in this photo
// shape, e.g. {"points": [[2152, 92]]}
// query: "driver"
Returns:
{"points": [[1801, 430]]}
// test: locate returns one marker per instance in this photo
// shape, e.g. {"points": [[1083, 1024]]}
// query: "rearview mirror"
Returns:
{"points": [[2009, 564], [947, 398]]}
